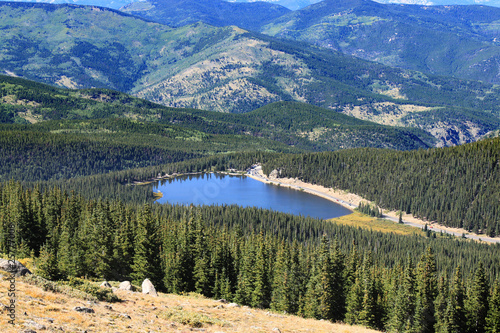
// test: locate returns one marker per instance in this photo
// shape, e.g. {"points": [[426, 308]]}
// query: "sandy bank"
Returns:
{"points": [[351, 201]]}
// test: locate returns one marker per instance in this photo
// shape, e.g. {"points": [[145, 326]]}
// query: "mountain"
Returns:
{"points": [[269, 128], [116, 4], [231, 70], [214, 12], [298, 4], [290, 4], [459, 41]]}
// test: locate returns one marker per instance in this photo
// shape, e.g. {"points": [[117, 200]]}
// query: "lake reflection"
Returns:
{"points": [[216, 189]]}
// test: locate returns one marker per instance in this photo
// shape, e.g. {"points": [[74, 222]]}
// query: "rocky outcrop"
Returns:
{"points": [[105, 284], [13, 267], [148, 288], [83, 309], [126, 285]]}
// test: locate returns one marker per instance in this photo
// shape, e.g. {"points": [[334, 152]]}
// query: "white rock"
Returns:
{"points": [[126, 285], [105, 284], [148, 288]]}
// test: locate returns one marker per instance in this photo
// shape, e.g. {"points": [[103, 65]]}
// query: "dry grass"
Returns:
{"points": [[166, 313], [357, 219]]}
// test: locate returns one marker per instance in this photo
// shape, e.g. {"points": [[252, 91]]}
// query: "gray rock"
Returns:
{"points": [[105, 284], [126, 285], [233, 305], [83, 309], [35, 325], [148, 288], [13, 267], [124, 315]]}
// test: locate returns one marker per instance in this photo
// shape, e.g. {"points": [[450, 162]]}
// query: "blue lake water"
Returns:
{"points": [[216, 189]]}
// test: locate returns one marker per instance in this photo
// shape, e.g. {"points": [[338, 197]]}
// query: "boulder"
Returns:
{"points": [[148, 288], [35, 325], [105, 284], [126, 285], [13, 267], [83, 309]]}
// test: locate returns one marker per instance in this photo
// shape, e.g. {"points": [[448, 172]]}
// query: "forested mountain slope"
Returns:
{"points": [[176, 13], [459, 41], [231, 70], [295, 124], [457, 186]]}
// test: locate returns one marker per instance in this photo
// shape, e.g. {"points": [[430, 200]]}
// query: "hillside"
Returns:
{"points": [[457, 41], [310, 128], [137, 312], [219, 13], [231, 70]]}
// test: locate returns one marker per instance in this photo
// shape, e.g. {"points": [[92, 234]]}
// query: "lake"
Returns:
{"points": [[217, 189]]}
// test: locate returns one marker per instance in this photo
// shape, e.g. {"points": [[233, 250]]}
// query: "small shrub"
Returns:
{"points": [[102, 294]]}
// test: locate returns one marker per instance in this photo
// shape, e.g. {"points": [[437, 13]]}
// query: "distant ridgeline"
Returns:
{"points": [[260, 258]]}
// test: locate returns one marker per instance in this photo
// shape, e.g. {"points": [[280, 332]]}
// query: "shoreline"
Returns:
{"points": [[344, 198], [351, 201]]}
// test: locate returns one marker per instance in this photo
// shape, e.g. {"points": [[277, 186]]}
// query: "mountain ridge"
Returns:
{"points": [[231, 70], [457, 41]]}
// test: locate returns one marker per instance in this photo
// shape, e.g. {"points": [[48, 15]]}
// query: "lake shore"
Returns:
{"points": [[351, 201]]}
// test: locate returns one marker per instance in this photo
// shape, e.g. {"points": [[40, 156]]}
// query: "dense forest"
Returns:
{"points": [[261, 258], [457, 186]]}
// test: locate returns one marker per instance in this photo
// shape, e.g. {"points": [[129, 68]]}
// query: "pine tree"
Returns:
{"points": [[403, 312], [338, 299], [477, 302], [369, 307], [201, 270], [493, 317], [47, 263], [426, 293], [281, 299], [146, 263], [260, 296], [441, 304], [455, 311]]}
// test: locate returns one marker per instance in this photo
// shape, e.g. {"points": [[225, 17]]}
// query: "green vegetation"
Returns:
{"points": [[451, 41], [224, 69], [178, 13], [456, 186], [254, 257]]}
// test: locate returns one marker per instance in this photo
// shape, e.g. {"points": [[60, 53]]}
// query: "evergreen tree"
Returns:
{"points": [[441, 304], [354, 301], [201, 271], [47, 264], [426, 293], [260, 297], [146, 263], [493, 317], [283, 282], [403, 312], [337, 273], [455, 311], [477, 302]]}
